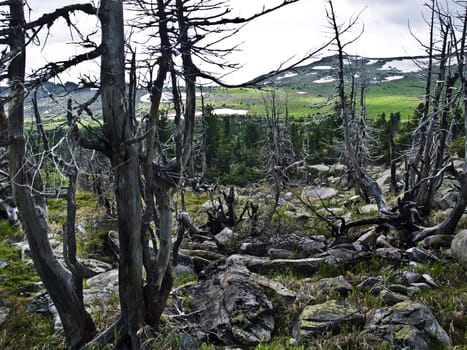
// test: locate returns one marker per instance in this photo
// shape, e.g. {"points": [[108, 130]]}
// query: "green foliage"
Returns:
{"points": [[279, 344], [458, 147], [23, 329]]}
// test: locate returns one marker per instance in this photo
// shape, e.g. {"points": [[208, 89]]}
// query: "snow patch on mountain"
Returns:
{"points": [[394, 77], [404, 66], [325, 80]]}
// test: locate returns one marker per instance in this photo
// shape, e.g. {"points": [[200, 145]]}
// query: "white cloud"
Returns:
{"points": [[290, 32]]}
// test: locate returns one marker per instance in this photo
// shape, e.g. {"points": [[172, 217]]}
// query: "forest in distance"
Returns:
{"points": [[142, 212]]}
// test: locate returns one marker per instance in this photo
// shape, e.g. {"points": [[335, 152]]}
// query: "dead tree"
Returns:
{"points": [[362, 181], [163, 175], [63, 286]]}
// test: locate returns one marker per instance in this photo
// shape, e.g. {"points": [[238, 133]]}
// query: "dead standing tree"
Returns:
{"points": [[182, 34], [363, 183], [64, 286]]}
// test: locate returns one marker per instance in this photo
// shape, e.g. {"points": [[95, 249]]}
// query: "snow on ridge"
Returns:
{"points": [[166, 97], [324, 80], [395, 77], [322, 67], [287, 75], [404, 66], [370, 62]]}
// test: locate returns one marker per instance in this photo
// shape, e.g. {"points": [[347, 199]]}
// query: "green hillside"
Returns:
{"points": [[382, 97]]}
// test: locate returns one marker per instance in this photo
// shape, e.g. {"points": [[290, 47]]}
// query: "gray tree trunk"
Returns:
{"points": [[124, 160], [26, 183]]}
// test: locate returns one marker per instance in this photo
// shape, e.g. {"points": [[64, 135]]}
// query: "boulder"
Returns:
{"points": [[96, 266], [4, 312], [302, 267], [331, 285], [226, 239], [313, 192], [3, 264], [342, 256], [101, 286], [436, 242], [368, 209], [368, 239], [406, 325], [389, 297], [459, 248], [420, 255], [275, 288], [232, 306], [275, 253], [329, 317], [256, 249]]}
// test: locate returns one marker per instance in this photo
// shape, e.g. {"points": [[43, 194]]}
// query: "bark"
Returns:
{"points": [[60, 283], [124, 160], [365, 185]]}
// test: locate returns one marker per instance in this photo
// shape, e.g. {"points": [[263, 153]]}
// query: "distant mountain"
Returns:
{"points": [[374, 70]]}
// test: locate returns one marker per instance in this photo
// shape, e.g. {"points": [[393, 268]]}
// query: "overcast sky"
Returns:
{"points": [[291, 31]]}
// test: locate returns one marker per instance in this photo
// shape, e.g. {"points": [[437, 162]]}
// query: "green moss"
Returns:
{"points": [[405, 333]]}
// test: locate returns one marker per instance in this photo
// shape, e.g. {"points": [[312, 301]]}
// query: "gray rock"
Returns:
{"points": [[313, 192], [382, 242], [368, 209], [342, 256], [101, 286], [329, 317], [41, 303], [226, 238], [25, 253], [420, 286], [392, 254], [436, 242], [369, 283], [302, 267], [411, 277], [3, 264], [277, 288], [420, 255], [430, 280], [302, 246], [406, 325], [232, 306], [368, 239], [298, 215], [459, 248], [28, 289], [256, 249], [113, 243], [445, 201], [4, 313], [275, 253], [333, 285], [312, 245], [96, 266], [205, 254], [389, 297], [320, 169]]}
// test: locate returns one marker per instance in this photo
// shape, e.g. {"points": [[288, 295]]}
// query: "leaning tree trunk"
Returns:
{"points": [[124, 159], [365, 185], [26, 183]]}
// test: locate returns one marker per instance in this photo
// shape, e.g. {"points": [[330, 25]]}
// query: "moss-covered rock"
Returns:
{"points": [[330, 317], [406, 325]]}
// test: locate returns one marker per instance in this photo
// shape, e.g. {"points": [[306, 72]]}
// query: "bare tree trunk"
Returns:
{"points": [[60, 283], [363, 182], [124, 159]]}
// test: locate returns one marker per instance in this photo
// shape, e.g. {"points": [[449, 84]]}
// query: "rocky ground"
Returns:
{"points": [[296, 285]]}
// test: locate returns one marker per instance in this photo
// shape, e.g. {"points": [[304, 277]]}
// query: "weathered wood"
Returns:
{"points": [[124, 160]]}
